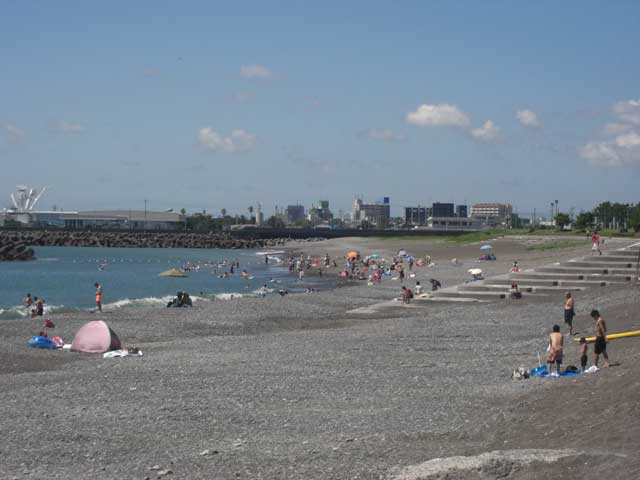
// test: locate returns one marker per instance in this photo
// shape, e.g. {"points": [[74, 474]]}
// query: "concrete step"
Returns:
{"points": [[609, 258], [523, 276], [556, 283], [585, 270], [626, 253], [589, 264], [454, 293], [451, 300], [524, 288]]}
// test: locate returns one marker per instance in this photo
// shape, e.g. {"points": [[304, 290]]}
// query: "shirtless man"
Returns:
{"points": [[569, 312], [555, 350], [600, 345]]}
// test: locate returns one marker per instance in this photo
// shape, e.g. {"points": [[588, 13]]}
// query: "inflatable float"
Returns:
{"points": [[613, 336], [42, 342]]}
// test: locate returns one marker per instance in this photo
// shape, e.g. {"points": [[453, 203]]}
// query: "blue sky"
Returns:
{"points": [[206, 105]]}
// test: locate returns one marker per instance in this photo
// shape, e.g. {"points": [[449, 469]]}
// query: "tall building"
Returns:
{"points": [[259, 216], [442, 210], [377, 214], [461, 211], [492, 213], [417, 215], [295, 213]]}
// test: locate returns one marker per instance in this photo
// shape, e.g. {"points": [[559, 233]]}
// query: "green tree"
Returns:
{"points": [[183, 211], [275, 222], [562, 220], [584, 221], [634, 218]]}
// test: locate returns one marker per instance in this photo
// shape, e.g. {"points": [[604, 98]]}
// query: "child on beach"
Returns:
{"points": [[583, 353]]}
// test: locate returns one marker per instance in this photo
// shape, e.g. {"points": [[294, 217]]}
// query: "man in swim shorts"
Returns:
{"points": [[569, 312], [555, 350], [600, 345], [98, 296]]}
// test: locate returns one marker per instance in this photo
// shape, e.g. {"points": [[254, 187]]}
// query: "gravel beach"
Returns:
{"points": [[303, 387]]}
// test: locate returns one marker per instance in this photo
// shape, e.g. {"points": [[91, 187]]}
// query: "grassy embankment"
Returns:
{"points": [[485, 235], [555, 245]]}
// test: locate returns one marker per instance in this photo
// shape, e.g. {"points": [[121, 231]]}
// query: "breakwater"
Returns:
{"points": [[15, 245]]}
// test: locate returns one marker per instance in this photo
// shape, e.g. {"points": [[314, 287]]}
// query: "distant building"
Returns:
{"points": [[461, 211], [417, 215], [376, 214], [443, 210], [295, 213], [492, 213], [259, 216], [320, 214], [125, 220], [454, 223]]}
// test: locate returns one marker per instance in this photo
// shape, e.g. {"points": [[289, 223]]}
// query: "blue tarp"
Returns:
{"points": [[541, 371]]}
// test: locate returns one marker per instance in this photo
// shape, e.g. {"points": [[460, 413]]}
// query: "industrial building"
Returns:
{"points": [[493, 213], [376, 214]]}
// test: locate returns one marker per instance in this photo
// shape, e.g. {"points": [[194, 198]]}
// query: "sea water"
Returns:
{"points": [[65, 276]]}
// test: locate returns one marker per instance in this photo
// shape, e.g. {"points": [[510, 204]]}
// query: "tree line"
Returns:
{"points": [[606, 215]]}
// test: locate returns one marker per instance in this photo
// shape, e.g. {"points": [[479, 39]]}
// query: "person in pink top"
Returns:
{"points": [[595, 238]]}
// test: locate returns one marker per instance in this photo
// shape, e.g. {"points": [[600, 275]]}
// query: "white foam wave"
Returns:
{"points": [[144, 302], [20, 311], [228, 296]]}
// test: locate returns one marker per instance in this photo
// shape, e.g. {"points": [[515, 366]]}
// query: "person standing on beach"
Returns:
{"points": [[555, 350], [98, 296], [600, 345], [569, 312], [595, 238]]}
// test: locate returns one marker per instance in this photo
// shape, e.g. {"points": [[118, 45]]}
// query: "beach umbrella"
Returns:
{"points": [[352, 255], [373, 255], [486, 247]]}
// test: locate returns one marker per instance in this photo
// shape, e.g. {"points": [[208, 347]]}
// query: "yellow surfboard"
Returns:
{"points": [[613, 336]]}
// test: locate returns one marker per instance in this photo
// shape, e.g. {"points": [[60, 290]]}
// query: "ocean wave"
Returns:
{"points": [[144, 302], [19, 311], [228, 296]]}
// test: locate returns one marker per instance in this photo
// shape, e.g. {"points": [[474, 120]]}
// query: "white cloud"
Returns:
{"points": [[528, 118], [381, 134], [68, 127], [600, 153], [621, 143], [442, 115], [628, 111], [628, 140], [616, 128], [489, 132], [238, 141], [12, 133], [255, 71]]}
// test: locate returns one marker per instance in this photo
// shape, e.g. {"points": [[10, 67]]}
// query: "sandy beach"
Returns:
{"points": [[304, 387]]}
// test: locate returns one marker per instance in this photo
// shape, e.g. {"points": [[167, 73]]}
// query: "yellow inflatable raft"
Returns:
{"points": [[613, 336]]}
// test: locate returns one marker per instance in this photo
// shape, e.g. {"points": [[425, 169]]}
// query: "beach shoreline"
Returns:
{"points": [[301, 387]]}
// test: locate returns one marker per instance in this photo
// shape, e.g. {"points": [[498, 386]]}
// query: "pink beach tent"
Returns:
{"points": [[95, 337]]}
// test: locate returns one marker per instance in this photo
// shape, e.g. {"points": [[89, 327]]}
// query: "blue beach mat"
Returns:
{"points": [[41, 342], [541, 371]]}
